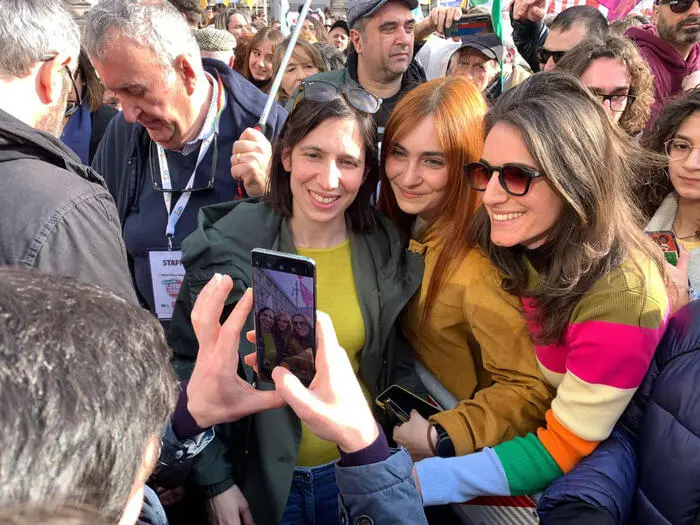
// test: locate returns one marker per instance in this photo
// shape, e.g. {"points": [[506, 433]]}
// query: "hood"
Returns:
{"points": [[649, 43], [435, 56]]}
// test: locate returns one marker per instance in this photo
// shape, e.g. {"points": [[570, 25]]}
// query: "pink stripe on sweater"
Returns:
{"points": [[606, 353]]}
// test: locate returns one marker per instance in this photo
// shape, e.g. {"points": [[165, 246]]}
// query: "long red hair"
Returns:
{"points": [[457, 109]]}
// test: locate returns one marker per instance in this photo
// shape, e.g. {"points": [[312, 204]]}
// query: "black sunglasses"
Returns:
{"points": [[322, 91], [159, 186], [543, 54], [618, 103], [679, 6], [72, 106], [515, 179]]}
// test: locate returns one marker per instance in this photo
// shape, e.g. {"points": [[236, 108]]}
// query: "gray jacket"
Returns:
{"points": [[663, 221], [56, 214], [383, 493]]}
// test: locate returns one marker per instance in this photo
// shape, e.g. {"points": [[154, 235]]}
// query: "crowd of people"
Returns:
{"points": [[483, 212]]}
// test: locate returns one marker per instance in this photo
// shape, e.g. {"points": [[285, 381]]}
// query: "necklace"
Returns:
{"points": [[673, 229]]}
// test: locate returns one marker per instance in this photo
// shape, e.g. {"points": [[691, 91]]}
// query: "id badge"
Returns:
{"points": [[167, 274]]}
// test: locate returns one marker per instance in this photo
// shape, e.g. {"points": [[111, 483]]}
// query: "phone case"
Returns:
{"points": [[666, 240]]}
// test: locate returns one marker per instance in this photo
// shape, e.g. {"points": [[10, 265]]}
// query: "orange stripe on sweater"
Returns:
{"points": [[565, 447]]}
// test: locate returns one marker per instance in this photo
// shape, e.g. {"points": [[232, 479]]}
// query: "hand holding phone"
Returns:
{"points": [[284, 290], [333, 407], [470, 25]]}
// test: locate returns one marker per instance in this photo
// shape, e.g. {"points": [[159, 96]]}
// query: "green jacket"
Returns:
{"points": [[262, 450]]}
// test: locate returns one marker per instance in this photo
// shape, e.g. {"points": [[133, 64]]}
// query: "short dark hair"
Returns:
{"points": [[596, 24], [85, 383], [306, 117]]}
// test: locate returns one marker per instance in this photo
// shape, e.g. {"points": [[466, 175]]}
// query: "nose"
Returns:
{"points": [[331, 178], [130, 111], [494, 193], [404, 37], [550, 65], [607, 108], [410, 175], [693, 160]]}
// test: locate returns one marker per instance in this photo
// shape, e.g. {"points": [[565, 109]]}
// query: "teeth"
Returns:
{"points": [[506, 216], [323, 199]]}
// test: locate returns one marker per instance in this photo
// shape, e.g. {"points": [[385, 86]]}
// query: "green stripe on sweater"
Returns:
{"points": [[528, 466]]}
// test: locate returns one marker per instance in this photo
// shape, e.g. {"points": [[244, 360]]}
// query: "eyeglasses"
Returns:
{"points": [[679, 149], [72, 105], [322, 91], [679, 6], [159, 186], [543, 55], [515, 179], [618, 103]]}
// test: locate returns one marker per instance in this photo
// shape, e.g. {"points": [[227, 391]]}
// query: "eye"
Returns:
{"points": [[312, 155], [348, 163], [680, 145], [397, 153], [434, 163]]}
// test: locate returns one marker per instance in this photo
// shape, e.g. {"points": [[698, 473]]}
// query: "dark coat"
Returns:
{"points": [[56, 215], [648, 471], [264, 448]]}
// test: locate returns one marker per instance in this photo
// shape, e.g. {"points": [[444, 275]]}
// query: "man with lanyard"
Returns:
{"points": [[184, 140]]}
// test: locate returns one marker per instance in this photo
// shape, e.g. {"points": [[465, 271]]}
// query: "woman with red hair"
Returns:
{"points": [[464, 328]]}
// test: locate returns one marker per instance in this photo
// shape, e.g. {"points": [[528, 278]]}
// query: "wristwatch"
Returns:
{"points": [[444, 447]]}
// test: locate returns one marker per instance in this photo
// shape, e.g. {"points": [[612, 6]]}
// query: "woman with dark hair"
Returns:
{"points": [[87, 117], [466, 331], [672, 196], [559, 223], [323, 177], [265, 325], [260, 51], [615, 71]]}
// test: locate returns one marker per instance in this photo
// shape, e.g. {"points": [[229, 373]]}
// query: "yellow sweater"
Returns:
{"points": [[336, 296], [476, 343]]}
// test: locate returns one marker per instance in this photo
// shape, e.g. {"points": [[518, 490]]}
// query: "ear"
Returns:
{"points": [[655, 14], [357, 41], [50, 78], [287, 159], [183, 67]]}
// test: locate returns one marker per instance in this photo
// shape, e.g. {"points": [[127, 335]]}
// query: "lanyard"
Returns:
{"points": [[174, 214]]}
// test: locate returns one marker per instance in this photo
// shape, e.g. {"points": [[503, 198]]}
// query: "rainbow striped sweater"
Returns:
{"points": [[608, 346]]}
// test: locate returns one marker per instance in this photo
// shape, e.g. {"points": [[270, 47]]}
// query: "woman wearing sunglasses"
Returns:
{"points": [[559, 224], [323, 176], [618, 75], [466, 331]]}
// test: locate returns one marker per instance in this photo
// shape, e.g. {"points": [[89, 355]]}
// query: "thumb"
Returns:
{"points": [[297, 396], [683, 259]]}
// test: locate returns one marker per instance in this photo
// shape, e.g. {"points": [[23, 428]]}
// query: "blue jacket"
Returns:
{"points": [[648, 471], [383, 493]]}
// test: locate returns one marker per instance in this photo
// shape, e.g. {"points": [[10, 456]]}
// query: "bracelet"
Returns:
{"points": [[430, 441]]}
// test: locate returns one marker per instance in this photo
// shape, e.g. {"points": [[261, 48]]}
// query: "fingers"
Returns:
{"points": [[453, 14], [252, 361], [250, 336], [261, 400], [231, 329], [327, 346], [297, 396], [208, 308], [247, 516], [683, 259]]}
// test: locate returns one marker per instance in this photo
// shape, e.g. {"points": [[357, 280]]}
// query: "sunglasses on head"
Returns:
{"points": [[679, 6], [543, 54], [515, 179], [322, 91]]}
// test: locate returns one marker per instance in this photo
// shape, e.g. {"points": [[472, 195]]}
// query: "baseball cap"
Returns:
{"points": [[362, 8], [486, 43], [211, 39], [341, 24]]}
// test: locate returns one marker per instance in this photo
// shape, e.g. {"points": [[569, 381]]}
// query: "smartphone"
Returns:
{"points": [[398, 403], [470, 25], [284, 305], [668, 244]]}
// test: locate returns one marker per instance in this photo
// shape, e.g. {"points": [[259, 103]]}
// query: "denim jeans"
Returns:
{"points": [[313, 497]]}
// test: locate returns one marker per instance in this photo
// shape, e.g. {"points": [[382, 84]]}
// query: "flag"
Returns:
{"points": [[306, 295], [203, 3], [284, 9]]}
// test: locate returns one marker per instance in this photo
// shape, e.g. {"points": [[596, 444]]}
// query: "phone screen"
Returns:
{"points": [[284, 292], [470, 26], [666, 240]]}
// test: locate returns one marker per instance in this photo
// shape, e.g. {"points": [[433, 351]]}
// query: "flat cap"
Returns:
{"points": [[362, 8], [211, 39]]}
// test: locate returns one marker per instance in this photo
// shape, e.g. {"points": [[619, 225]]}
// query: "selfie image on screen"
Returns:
{"points": [[284, 323]]}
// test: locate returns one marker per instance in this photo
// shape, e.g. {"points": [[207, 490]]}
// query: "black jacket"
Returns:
{"points": [[527, 37], [55, 214]]}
